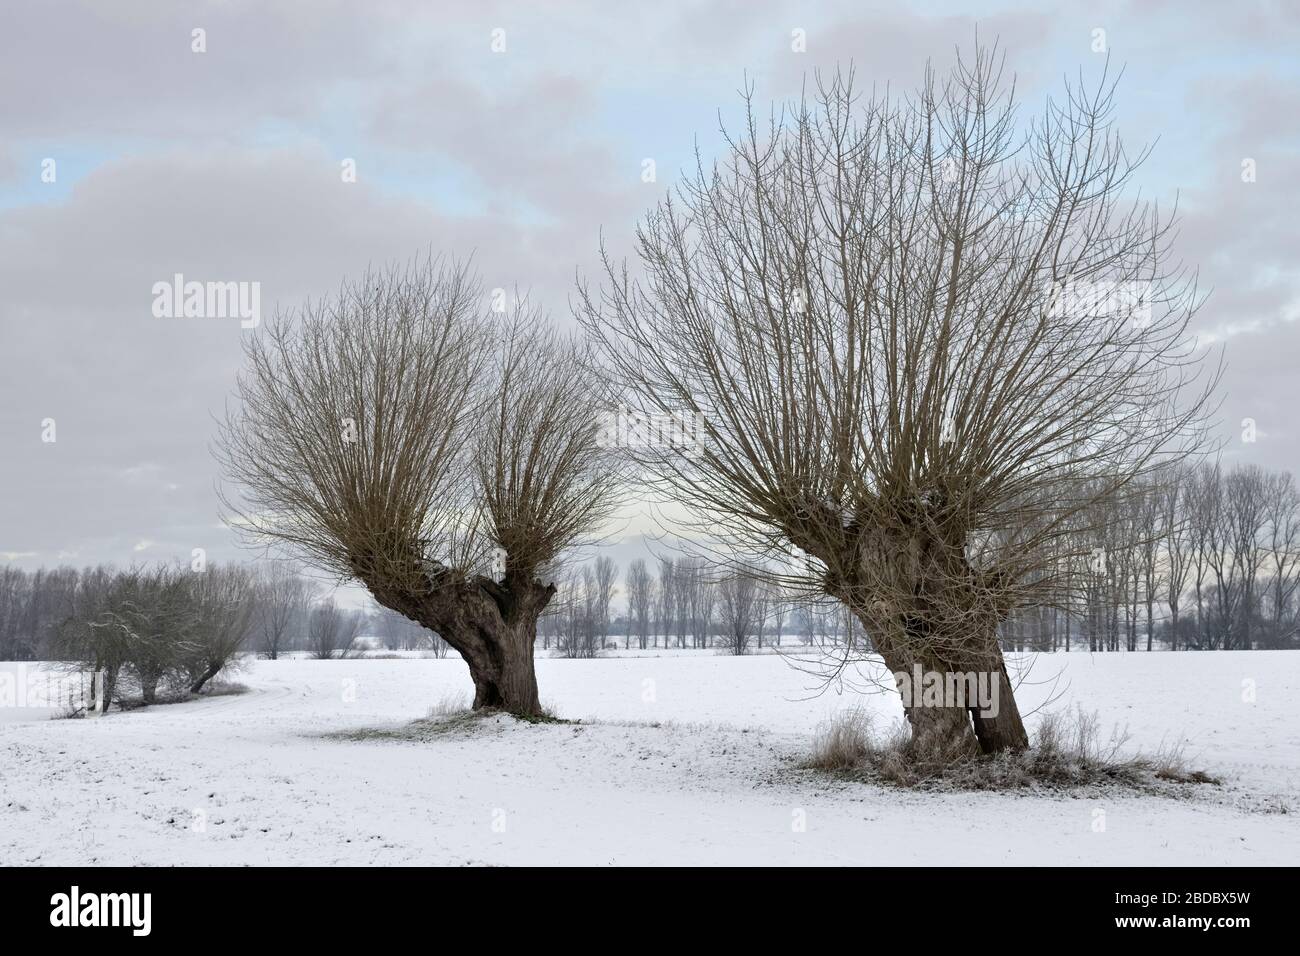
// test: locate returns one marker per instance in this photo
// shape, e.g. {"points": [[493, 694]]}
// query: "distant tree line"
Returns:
{"points": [[683, 603], [165, 631], [1197, 558]]}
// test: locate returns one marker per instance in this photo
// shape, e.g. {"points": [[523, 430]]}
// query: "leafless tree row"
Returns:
{"points": [[164, 629], [686, 604], [1196, 558], [35, 605]]}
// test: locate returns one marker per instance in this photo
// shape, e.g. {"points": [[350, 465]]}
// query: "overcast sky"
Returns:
{"points": [[228, 165]]}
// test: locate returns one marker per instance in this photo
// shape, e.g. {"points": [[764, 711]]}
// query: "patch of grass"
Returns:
{"points": [[844, 743], [424, 729], [1068, 752], [451, 705], [450, 717], [545, 717]]}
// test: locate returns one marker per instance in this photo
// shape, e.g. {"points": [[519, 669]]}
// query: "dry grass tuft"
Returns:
{"points": [[1069, 751]]}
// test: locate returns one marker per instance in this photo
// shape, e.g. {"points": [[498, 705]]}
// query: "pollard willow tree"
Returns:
{"points": [[402, 435], [924, 339]]}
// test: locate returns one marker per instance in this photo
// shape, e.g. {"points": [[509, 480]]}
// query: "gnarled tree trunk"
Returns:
{"points": [[952, 730], [493, 627], [509, 681], [929, 576]]}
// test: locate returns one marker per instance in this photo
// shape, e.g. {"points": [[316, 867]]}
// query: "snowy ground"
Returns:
{"points": [[680, 759]]}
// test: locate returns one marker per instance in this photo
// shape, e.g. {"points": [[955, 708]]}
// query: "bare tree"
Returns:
{"points": [[1149, 567], [762, 609], [1222, 557], [332, 631], [778, 607], [153, 608], [739, 608], [641, 595], [1282, 559], [119, 624], [605, 573], [283, 596], [1177, 545], [690, 575], [580, 630], [443, 462], [1247, 516], [223, 601], [1204, 501], [902, 327], [666, 593], [706, 589]]}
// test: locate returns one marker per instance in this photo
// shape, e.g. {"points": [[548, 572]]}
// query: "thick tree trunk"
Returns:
{"points": [[948, 730], [492, 625], [509, 682], [937, 731], [149, 688]]}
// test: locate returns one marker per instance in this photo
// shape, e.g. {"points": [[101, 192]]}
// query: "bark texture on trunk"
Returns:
{"points": [[491, 625], [955, 730], [510, 683], [928, 611], [937, 731], [1004, 730]]}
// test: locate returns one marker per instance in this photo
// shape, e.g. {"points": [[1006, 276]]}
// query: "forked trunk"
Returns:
{"points": [[946, 726], [493, 626]]}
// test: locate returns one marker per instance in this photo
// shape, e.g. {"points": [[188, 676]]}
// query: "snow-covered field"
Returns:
{"points": [[679, 759]]}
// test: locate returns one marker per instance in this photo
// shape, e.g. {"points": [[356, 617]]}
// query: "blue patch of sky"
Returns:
{"points": [[72, 163]]}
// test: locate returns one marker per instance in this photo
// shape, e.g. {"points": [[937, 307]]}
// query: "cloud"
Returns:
{"points": [[226, 166]]}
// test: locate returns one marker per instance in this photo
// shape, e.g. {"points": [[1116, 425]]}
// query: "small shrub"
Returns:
{"points": [[842, 743]]}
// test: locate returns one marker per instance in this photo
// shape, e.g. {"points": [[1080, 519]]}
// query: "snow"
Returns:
{"points": [[680, 758]]}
